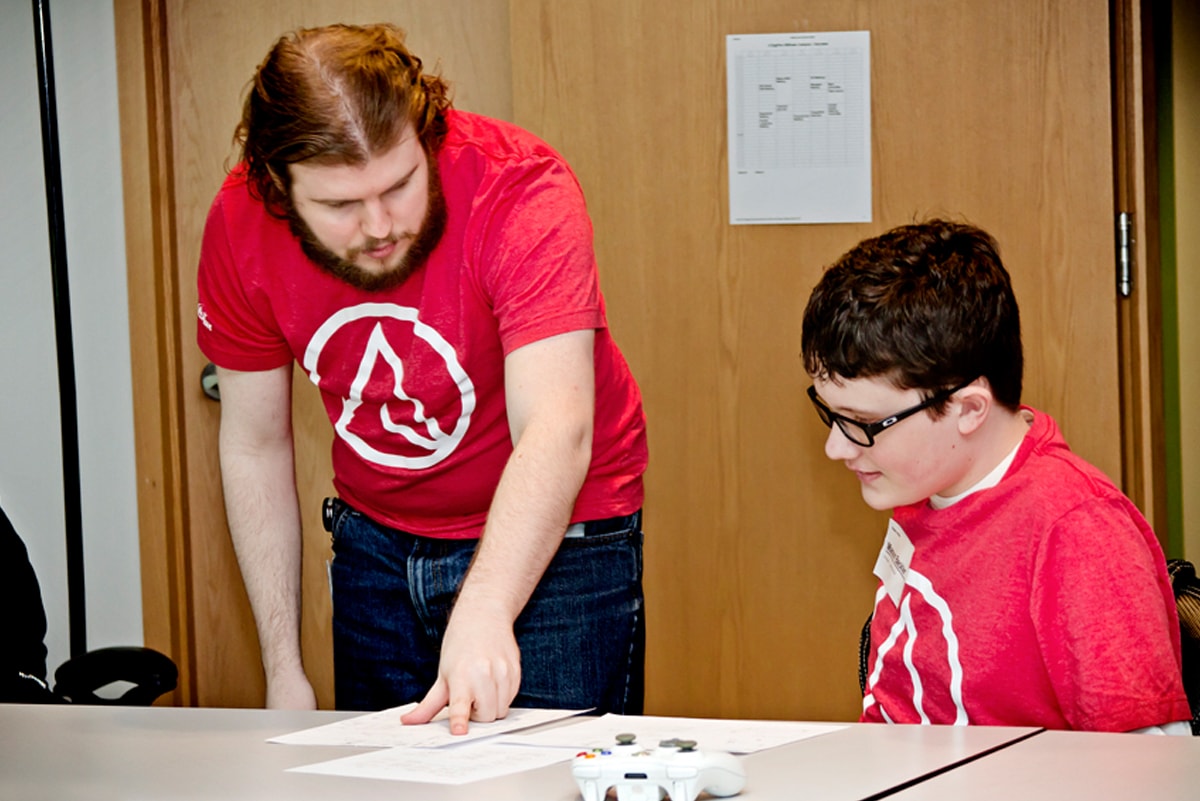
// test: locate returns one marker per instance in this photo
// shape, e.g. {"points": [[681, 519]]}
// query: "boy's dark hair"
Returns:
{"points": [[928, 306], [335, 95]]}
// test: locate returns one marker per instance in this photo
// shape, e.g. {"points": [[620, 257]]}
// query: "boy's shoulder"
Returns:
{"points": [[1045, 461], [1044, 481], [1049, 487]]}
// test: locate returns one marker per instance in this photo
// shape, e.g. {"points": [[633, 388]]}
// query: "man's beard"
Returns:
{"points": [[344, 269]]}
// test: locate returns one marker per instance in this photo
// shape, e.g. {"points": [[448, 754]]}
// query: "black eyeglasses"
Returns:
{"points": [[863, 434]]}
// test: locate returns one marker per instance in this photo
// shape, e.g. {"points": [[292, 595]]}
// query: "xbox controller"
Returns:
{"points": [[674, 768]]}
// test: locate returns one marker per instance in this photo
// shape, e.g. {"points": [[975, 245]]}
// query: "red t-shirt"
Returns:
{"points": [[1043, 601], [413, 377]]}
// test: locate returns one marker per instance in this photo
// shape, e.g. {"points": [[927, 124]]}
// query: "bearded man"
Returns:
{"points": [[432, 272]]}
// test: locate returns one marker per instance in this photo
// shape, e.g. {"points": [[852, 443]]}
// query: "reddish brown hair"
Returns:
{"points": [[339, 95]]}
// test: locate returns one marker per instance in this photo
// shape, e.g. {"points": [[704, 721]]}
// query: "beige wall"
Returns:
{"points": [[1185, 48]]}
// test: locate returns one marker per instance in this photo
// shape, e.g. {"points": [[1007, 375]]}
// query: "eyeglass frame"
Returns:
{"points": [[872, 430]]}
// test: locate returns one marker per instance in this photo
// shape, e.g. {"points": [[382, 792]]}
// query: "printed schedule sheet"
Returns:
{"points": [[799, 110]]}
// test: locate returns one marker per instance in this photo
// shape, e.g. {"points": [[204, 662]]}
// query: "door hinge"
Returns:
{"points": [[1124, 254]]}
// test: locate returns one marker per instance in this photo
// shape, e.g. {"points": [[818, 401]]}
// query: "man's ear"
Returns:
{"points": [[974, 404]]}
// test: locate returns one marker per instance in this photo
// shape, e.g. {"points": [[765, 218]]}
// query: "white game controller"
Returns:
{"points": [[674, 768]]}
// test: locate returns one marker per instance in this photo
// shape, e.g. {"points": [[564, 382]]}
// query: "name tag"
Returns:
{"points": [[894, 560]]}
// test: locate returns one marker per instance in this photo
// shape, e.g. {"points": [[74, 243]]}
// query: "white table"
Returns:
{"points": [[61, 753], [1060, 765]]}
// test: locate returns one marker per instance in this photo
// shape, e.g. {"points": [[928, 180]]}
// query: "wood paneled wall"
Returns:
{"points": [[758, 549]]}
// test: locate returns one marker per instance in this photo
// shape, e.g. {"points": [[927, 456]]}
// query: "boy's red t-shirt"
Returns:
{"points": [[1042, 601]]}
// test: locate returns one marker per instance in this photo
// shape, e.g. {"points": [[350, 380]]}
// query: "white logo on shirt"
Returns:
{"points": [[379, 418], [938, 645], [203, 316]]}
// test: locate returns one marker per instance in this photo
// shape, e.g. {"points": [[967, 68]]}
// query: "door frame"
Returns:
{"points": [[156, 335], [1140, 325]]}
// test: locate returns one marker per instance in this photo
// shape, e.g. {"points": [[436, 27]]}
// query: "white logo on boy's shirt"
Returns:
{"points": [[895, 571], [934, 649]]}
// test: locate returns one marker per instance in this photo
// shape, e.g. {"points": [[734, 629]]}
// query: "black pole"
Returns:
{"points": [[62, 326]]}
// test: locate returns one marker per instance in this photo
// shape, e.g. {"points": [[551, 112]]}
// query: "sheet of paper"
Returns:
{"points": [[457, 765], [710, 734], [384, 729], [799, 111]]}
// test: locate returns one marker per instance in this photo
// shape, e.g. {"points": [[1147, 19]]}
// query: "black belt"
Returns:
{"points": [[611, 525], [332, 507]]}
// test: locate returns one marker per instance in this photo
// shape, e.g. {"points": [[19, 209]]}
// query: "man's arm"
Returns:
{"points": [[258, 474], [550, 392]]}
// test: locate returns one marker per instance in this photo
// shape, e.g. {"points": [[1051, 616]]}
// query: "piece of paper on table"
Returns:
{"points": [[710, 734], [440, 766], [384, 730]]}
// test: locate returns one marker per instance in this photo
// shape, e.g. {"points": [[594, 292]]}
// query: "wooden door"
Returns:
{"points": [[759, 550], [184, 67]]}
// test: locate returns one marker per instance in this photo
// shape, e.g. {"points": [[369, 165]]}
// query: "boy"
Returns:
{"points": [[1018, 586]]}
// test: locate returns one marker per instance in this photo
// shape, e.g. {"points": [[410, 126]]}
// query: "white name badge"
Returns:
{"points": [[894, 560]]}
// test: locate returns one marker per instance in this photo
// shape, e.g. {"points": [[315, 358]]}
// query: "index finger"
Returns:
{"points": [[460, 713]]}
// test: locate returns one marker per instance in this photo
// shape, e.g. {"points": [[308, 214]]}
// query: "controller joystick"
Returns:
{"points": [[675, 768]]}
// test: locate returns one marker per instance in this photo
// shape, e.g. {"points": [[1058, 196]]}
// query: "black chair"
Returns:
{"points": [[1187, 603], [864, 653], [78, 680]]}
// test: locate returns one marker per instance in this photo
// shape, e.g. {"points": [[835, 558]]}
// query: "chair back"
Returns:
{"points": [[1187, 603]]}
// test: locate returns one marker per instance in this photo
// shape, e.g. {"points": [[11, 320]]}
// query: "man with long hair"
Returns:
{"points": [[432, 272]]}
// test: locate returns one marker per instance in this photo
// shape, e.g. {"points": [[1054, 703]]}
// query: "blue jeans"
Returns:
{"points": [[582, 635]]}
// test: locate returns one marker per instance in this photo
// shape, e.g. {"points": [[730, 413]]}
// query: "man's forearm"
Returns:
{"points": [[529, 515], [264, 523], [550, 397]]}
